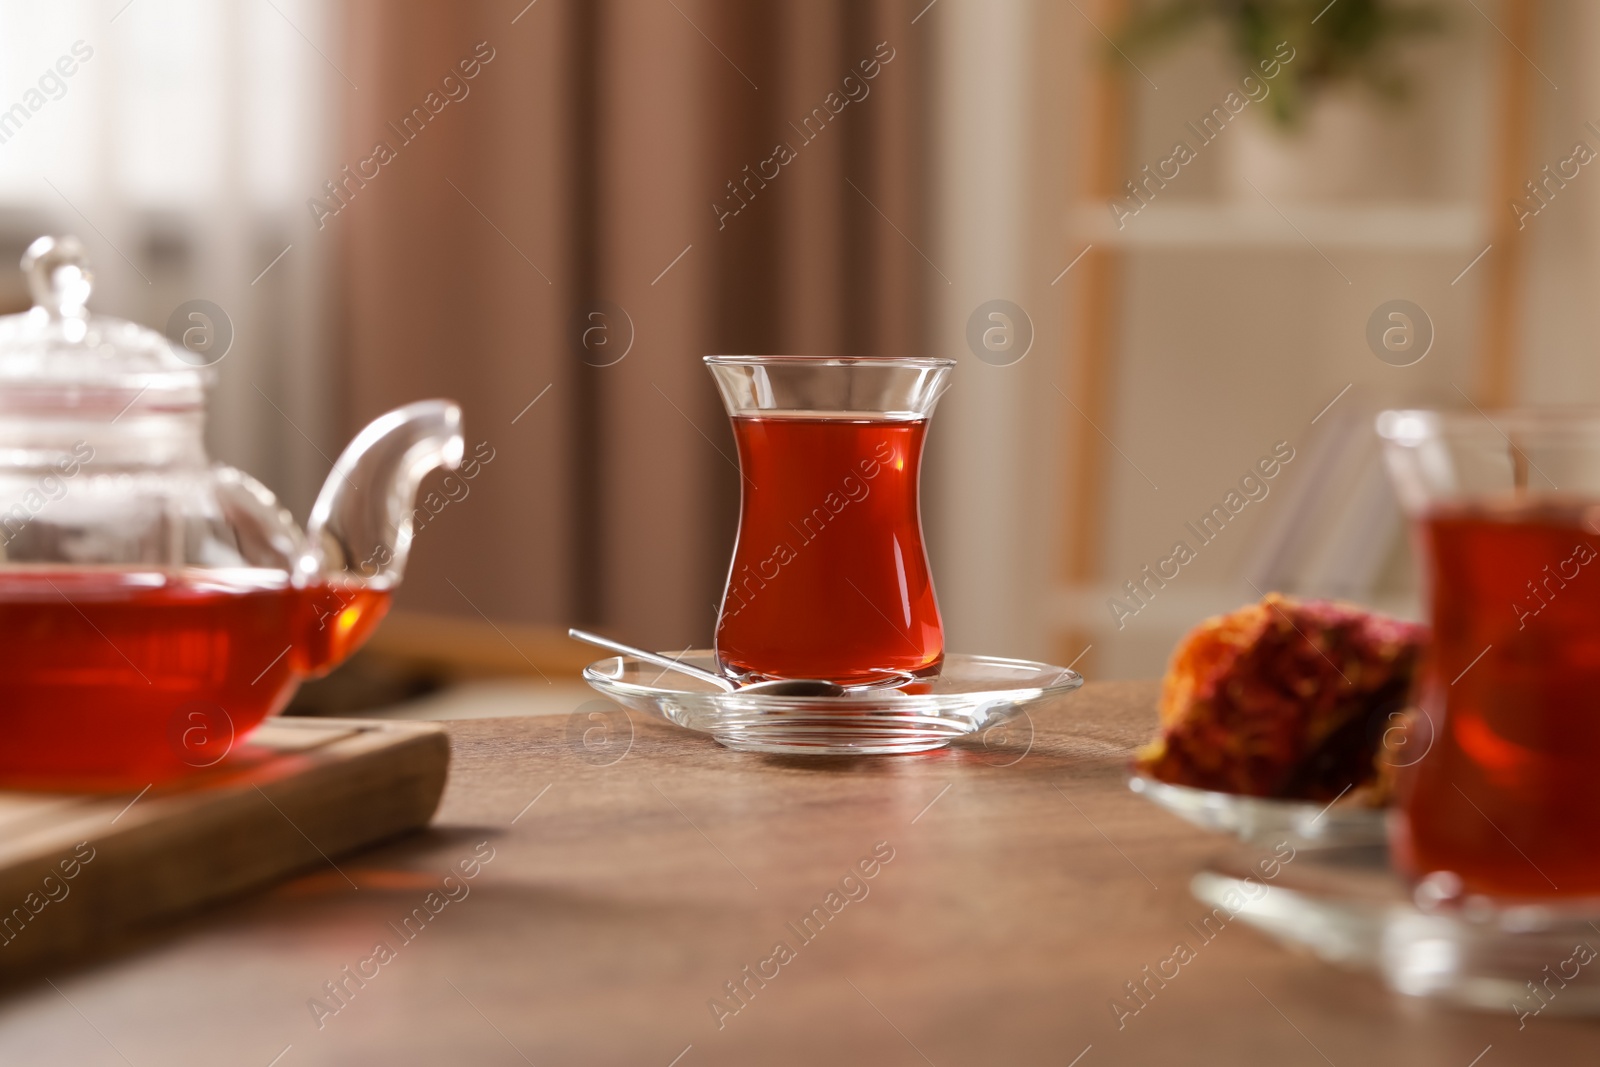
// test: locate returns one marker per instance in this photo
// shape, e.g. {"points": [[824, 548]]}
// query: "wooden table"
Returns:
{"points": [[623, 893]]}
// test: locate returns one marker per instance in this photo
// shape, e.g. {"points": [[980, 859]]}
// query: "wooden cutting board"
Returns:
{"points": [[79, 873]]}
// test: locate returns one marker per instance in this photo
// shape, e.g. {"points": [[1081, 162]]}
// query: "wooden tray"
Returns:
{"points": [[78, 873]]}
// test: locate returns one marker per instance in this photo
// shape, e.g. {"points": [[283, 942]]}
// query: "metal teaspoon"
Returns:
{"points": [[784, 687]]}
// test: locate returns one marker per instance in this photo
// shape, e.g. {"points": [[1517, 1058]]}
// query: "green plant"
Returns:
{"points": [[1346, 40]]}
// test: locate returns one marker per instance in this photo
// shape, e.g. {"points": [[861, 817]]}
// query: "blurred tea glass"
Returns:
{"points": [[1504, 799], [829, 578]]}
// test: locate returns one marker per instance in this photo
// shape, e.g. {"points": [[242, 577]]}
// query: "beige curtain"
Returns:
{"points": [[612, 172]]}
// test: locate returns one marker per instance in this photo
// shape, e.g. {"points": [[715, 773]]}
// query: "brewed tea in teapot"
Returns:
{"points": [[154, 605]]}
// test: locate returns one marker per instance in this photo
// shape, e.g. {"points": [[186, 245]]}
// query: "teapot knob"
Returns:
{"points": [[58, 276]]}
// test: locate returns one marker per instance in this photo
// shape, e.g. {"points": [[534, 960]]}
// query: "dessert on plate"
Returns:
{"points": [[1285, 698]]}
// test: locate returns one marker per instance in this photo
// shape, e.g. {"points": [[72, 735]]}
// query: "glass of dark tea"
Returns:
{"points": [[829, 578], [1499, 794]]}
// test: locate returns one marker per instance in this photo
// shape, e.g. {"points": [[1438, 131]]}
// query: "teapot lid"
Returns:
{"points": [[58, 357]]}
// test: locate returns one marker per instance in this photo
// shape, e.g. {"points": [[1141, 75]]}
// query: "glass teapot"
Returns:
{"points": [[155, 606]]}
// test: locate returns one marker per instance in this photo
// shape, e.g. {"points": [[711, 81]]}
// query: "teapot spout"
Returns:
{"points": [[361, 526]]}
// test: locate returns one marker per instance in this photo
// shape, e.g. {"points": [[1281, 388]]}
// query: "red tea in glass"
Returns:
{"points": [[830, 578], [1502, 789], [1508, 796]]}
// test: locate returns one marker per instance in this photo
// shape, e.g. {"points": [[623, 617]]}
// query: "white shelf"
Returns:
{"points": [[1394, 226], [1178, 607]]}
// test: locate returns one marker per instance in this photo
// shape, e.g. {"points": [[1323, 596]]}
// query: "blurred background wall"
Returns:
{"points": [[576, 201]]}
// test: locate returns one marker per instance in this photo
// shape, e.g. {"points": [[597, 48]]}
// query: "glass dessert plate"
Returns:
{"points": [[1264, 820], [971, 693]]}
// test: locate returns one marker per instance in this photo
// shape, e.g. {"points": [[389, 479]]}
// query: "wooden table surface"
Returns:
{"points": [[611, 900]]}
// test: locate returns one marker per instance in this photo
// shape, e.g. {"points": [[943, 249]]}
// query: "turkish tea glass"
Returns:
{"points": [[1499, 795], [829, 578]]}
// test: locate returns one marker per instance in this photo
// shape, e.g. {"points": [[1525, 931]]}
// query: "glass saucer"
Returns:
{"points": [[1264, 820], [970, 693], [1347, 907]]}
